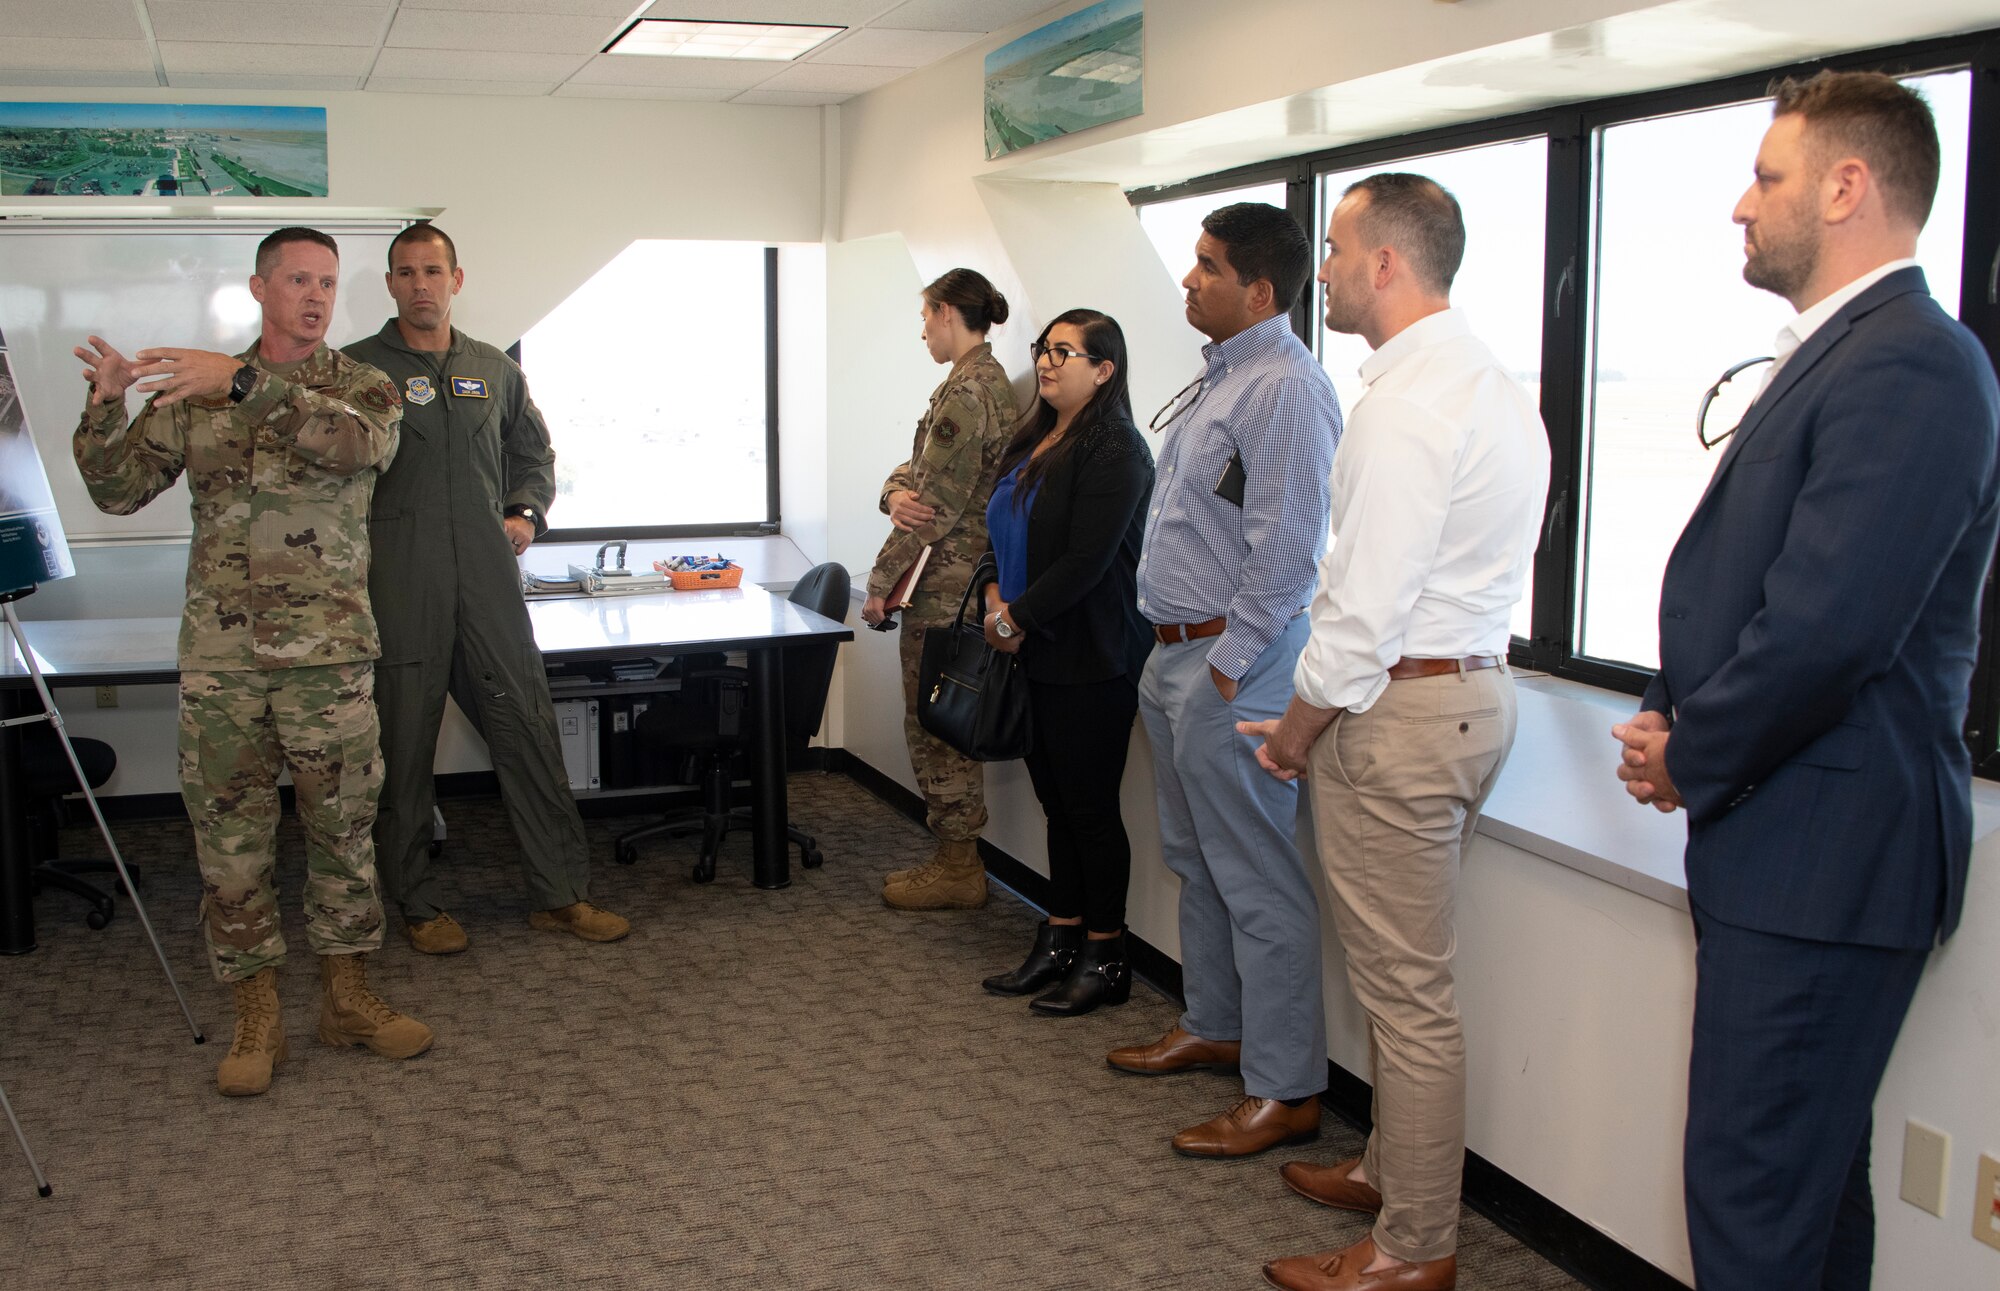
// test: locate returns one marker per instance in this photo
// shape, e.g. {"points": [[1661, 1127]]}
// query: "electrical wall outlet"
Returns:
{"points": [[107, 696], [1926, 1158], [1986, 1202]]}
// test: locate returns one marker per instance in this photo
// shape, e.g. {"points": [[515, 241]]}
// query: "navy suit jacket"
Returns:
{"points": [[1818, 629]]}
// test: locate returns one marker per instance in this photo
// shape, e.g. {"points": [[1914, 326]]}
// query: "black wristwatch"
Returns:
{"points": [[526, 512], [242, 383]]}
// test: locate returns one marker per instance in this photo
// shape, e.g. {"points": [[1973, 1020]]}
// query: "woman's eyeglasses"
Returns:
{"points": [[1057, 355], [1714, 392]]}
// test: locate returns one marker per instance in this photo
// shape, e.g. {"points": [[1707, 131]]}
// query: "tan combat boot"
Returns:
{"points": [[439, 935], [582, 919], [904, 877], [351, 1013], [954, 880], [260, 1038]]}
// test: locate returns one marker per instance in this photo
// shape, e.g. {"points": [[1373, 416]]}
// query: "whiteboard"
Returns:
{"points": [[140, 283]]}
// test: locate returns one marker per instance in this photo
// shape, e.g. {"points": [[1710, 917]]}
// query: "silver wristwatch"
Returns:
{"points": [[1002, 628]]}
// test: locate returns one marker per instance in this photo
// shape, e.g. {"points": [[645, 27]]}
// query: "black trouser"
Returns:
{"points": [[1082, 734]]}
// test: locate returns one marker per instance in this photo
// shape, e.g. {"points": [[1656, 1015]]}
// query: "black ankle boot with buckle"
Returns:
{"points": [[1055, 950], [1099, 976]]}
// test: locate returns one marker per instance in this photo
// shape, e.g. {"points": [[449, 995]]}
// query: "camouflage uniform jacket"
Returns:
{"points": [[952, 466], [278, 565]]}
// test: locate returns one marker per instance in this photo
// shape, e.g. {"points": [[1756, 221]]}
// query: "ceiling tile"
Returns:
{"points": [[62, 53], [83, 19], [593, 8], [659, 93], [474, 65], [675, 73], [96, 78], [434, 85], [223, 81], [876, 47], [219, 58], [266, 24], [525, 32], [789, 98], [962, 15], [826, 13], [827, 78]]}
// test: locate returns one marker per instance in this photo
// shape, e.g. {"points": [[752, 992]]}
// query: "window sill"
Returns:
{"points": [[1560, 798]]}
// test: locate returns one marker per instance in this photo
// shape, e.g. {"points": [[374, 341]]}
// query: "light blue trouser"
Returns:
{"points": [[1250, 929]]}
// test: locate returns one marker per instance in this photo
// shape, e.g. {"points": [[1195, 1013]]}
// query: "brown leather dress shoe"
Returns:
{"points": [[1341, 1271], [1177, 1050], [1252, 1126], [1329, 1185]]}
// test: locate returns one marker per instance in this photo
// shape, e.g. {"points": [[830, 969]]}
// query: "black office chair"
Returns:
{"points": [[49, 779], [706, 724]]}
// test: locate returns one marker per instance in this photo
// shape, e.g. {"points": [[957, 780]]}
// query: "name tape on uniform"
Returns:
{"points": [[469, 387]]}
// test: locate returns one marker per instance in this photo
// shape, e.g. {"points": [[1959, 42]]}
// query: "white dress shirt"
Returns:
{"points": [[1437, 505], [1810, 320]]}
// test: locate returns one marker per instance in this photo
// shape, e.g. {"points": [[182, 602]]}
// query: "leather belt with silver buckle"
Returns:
{"points": [[1404, 669], [1175, 633]]}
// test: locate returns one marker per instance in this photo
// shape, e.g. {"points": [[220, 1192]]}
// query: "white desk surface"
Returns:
{"points": [[574, 627]]}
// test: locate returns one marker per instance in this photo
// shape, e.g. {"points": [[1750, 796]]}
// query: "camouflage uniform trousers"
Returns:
{"points": [[236, 729], [953, 785]]}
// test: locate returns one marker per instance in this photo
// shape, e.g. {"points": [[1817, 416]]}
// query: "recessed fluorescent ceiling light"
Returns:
{"points": [[773, 41]]}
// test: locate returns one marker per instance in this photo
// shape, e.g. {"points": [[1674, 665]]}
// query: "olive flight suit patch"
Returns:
{"points": [[419, 391]]}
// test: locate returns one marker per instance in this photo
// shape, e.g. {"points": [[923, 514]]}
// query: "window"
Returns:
{"points": [[1603, 267], [1670, 312], [655, 378], [1175, 225], [1501, 188]]}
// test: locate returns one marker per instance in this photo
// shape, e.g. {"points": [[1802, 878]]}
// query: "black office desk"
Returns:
{"points": [[133, 652]]}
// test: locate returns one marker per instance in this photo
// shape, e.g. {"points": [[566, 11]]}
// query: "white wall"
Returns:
{"points": [[1577, 992]]}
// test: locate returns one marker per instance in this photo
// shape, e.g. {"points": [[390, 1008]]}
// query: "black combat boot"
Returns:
{"points": [[1055, 950], [1100, 975]]}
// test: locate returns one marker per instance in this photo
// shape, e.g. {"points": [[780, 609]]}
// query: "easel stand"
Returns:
{"points": [[52, 715]]}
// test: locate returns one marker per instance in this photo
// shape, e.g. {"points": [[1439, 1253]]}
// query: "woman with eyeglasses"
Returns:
{"points": [[1066, 519], [936, 502]]}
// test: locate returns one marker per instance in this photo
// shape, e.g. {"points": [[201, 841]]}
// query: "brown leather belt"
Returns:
{"points": [[1404, 669], [1175, 633]]}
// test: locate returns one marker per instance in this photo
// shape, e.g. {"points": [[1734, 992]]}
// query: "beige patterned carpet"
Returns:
{"points": [[798, 1089]]}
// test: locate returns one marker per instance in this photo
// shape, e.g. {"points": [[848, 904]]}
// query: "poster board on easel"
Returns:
{"points": [[33, 550]]}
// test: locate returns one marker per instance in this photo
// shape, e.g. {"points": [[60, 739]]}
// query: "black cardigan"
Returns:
{"points": [[1080, 607]]}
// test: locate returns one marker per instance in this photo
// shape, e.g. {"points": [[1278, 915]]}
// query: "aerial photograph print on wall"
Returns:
{"points": [[161, 150], [1077, 72]]}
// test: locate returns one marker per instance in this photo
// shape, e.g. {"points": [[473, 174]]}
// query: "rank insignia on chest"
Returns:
{"points": [[419, 391], [468, 387]]}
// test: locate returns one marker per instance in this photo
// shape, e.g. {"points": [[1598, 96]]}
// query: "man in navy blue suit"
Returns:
{"points": [[1818, 627]]}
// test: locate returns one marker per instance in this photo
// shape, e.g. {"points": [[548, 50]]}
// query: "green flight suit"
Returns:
{"points": [[447, 596]]}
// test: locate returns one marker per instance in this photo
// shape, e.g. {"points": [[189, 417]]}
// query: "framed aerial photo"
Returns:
{"points": [[1077, 72], [161, 150]]}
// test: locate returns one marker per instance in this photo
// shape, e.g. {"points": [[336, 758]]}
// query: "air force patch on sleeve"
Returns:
{"points": [[468, 387], [419, 391]]}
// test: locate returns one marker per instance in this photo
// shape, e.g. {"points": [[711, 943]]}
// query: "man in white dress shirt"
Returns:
{"points": [[1403, 709]]}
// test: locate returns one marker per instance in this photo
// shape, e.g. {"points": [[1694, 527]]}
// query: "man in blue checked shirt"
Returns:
{"points": [[1237, 524]]}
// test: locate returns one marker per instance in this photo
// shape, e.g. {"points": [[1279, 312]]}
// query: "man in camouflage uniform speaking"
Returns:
{"points": [[469, 491], [281, 445]]}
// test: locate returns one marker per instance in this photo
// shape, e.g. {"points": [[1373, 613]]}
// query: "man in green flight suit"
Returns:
{"points": [[468, 492], [281, 446]]}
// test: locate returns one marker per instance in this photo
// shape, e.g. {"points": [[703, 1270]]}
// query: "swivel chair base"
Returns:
{"points": [[713, 822], [65, 876]]}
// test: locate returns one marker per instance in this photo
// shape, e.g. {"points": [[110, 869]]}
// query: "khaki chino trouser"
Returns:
{"points": [[1396, 792]]}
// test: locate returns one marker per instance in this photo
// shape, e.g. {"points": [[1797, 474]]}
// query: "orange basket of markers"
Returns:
{"points": [[696, 573]]}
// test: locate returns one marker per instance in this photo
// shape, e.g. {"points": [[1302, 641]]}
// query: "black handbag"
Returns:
{"points": [[970, 695]]}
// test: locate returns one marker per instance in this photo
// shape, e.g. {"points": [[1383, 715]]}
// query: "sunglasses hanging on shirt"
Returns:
{"points": [[1713, 393]]}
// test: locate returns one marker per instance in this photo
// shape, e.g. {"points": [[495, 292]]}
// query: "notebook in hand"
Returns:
{"points": [[900, 595]]}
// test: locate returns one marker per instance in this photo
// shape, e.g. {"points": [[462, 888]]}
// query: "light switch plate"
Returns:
{"points": [[1926, 1158]]}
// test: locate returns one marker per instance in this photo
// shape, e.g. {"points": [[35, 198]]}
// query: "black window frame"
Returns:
{"points": [[771, 523], [1573, 133]]}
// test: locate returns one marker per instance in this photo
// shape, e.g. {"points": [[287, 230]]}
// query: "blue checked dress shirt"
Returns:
{"points": [[1263, 395]]}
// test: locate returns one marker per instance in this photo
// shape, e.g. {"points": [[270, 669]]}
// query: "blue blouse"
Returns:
{"points": [[1008, 527]]}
